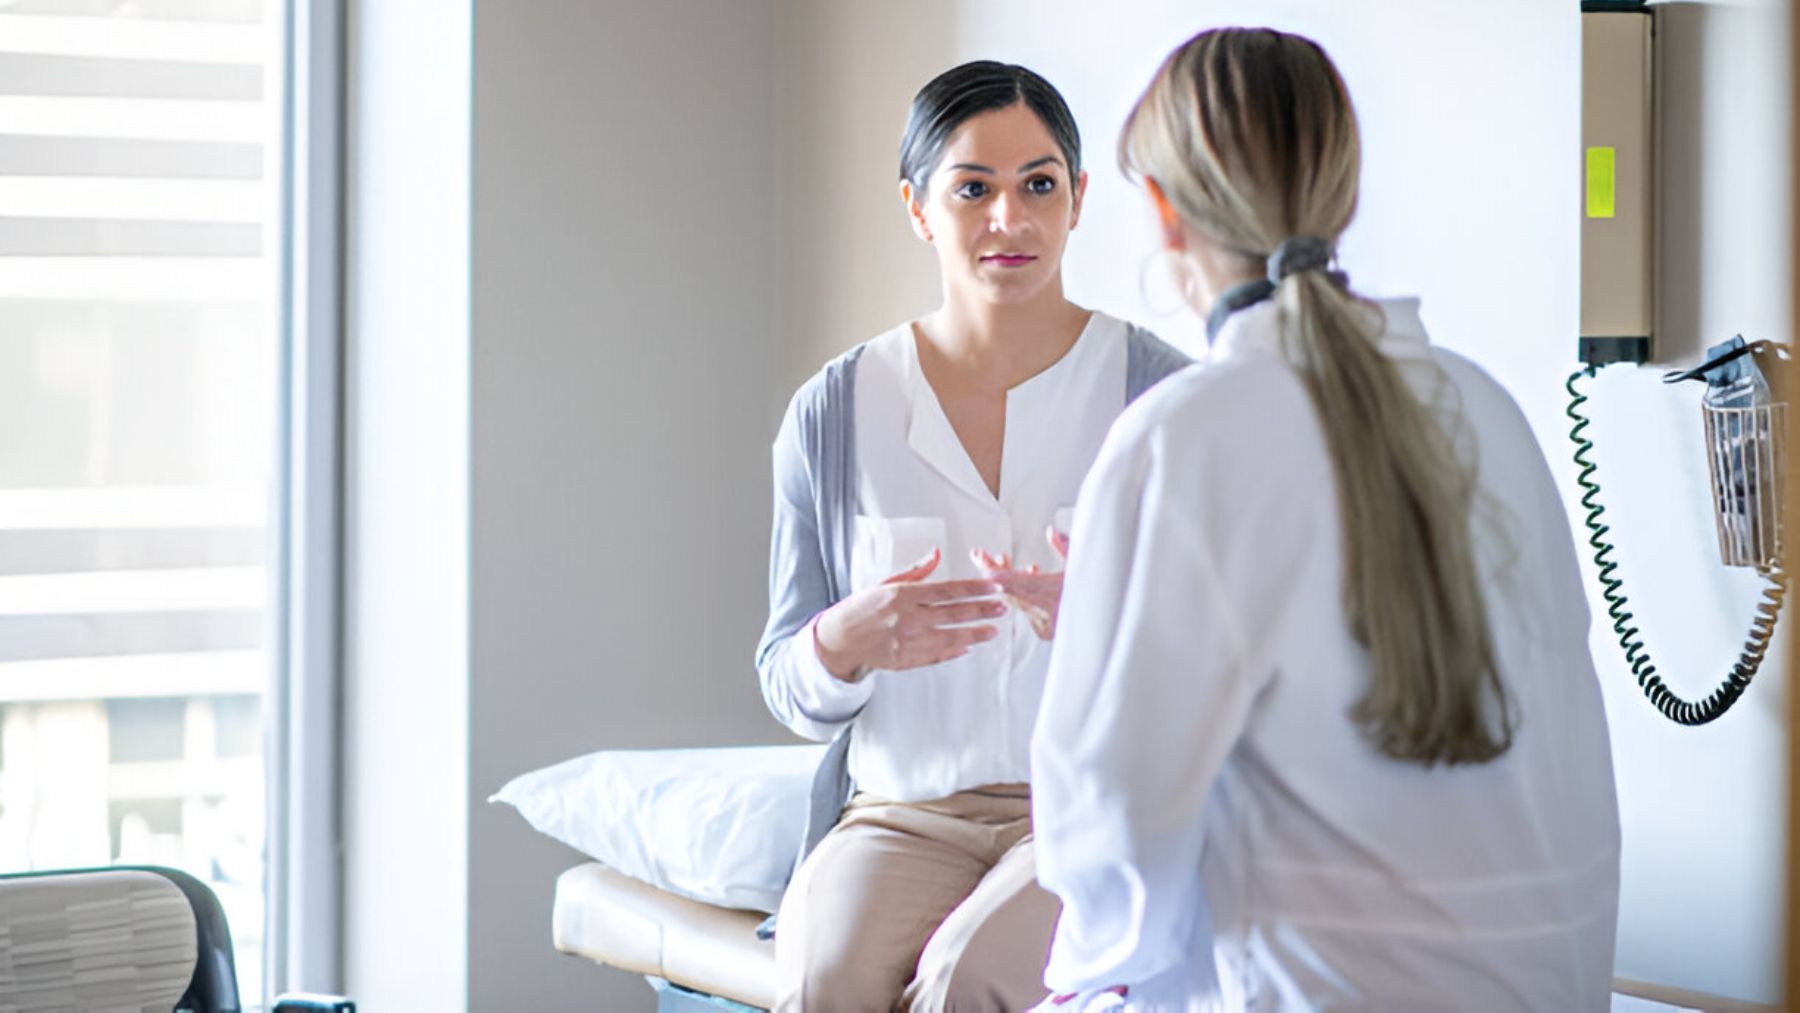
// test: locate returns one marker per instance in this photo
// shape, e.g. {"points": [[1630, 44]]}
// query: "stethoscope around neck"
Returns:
{"points": [[1291, 256]]}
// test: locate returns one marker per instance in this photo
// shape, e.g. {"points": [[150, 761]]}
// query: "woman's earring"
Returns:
{"points": [[1177, 275]]}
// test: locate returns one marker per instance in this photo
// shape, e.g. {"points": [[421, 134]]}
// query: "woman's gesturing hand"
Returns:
{"points": [[1037, 594], [906, 622]]}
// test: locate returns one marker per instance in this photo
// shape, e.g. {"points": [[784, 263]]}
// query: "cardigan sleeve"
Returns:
{"points": [[795, 684]]}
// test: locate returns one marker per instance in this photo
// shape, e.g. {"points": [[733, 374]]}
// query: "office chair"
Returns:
{"points": [[123, 938]]}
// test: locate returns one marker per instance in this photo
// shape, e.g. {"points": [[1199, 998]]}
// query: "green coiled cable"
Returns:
{"points": [[1612, 587]]}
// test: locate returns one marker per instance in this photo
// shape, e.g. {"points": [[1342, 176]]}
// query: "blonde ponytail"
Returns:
{"points": [[1251, 135]]}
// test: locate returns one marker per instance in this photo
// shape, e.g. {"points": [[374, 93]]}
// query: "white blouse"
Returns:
{"points": [[1219, 831], [927, 733]]}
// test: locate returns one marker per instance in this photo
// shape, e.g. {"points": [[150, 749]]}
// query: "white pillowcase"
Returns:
{"points": [[722, 826]]}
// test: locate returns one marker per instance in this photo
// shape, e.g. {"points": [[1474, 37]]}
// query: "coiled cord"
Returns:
{"points": [[1612, 587]]}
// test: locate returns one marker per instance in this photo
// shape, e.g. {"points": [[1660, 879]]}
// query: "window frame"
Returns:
{"points": [[303, 744]]}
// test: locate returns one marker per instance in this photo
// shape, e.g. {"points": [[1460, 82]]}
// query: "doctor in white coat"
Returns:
{"points": [[1320, 727]]}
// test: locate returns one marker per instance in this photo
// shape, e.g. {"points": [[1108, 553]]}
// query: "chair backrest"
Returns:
{"points": [[122, 938]]}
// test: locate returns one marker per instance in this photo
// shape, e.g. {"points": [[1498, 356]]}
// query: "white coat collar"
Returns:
{"points": [[1254, 329]]}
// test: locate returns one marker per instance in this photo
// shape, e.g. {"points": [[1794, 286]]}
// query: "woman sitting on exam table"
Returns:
{"points": [[914, 571], [1321, 728]]}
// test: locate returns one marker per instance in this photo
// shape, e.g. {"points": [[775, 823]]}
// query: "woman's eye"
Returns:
{"points": [[1040, 184], [972, 189]]}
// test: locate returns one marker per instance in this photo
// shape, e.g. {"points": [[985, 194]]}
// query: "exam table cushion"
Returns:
{"points": [[619, 921], [721, 826]]}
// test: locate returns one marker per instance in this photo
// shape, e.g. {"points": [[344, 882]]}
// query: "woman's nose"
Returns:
{"points": [[1004, 213]]}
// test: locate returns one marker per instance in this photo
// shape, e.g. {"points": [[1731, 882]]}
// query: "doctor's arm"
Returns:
{"points": [[1148, 691]]}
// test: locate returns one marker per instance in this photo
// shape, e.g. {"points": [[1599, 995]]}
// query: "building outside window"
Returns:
{"points": [[141, 288]]}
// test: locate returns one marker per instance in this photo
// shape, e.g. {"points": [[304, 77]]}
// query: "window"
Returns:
{"points": [[141, 327]]}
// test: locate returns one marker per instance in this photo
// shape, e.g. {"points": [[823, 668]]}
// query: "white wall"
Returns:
{"points": [[1470, 197], [850, 265], [624, 354], [406, 691]]}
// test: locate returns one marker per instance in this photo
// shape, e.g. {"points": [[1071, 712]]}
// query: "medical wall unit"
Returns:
{"points": [[1744, 409]]}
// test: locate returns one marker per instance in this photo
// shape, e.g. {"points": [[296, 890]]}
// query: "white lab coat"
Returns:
{"points": [[1220, 833]]}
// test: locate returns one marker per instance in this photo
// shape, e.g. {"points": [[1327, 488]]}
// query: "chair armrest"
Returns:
{"points": [[309, 1002]]}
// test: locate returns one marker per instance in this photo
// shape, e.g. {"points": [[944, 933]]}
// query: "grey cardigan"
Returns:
{"points": [[809, 550]]}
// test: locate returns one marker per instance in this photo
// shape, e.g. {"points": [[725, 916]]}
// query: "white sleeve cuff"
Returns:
{"points": [[820, 695]]}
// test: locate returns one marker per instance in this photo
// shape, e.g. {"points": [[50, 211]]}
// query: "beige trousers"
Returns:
{"points": [[918, 906]]}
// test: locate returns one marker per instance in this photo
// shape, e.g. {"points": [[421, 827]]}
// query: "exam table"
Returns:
{"points": [[698, 957], [702, 959]]}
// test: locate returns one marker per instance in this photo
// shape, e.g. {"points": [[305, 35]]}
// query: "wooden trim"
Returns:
{"points": [[1684, 999]]}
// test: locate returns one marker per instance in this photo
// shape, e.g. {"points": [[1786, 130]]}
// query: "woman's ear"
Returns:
{"points": [[1080, 192], [1174, 235], [914, 211]]}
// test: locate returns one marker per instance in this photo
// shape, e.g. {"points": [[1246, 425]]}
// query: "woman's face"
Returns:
{"points": [[999, 206]]}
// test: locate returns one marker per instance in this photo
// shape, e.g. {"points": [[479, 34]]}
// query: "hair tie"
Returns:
{"points": [[1298, 253]]}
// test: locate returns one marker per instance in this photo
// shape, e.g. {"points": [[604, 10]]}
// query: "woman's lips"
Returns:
{"points": [[1008, 259]]}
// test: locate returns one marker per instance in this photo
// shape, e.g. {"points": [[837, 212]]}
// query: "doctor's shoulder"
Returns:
{"points": [[1478, 389], [1227, 420], [1214, 399]]}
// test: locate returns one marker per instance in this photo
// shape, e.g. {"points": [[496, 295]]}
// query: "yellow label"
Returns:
{"points": [[1600, 180]]}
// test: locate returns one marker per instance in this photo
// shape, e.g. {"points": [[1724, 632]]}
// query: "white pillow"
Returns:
{"points": [[722, 826]]}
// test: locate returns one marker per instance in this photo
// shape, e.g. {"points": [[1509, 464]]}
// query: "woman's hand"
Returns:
{"points": [[906, 622], [1037, 594]]}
